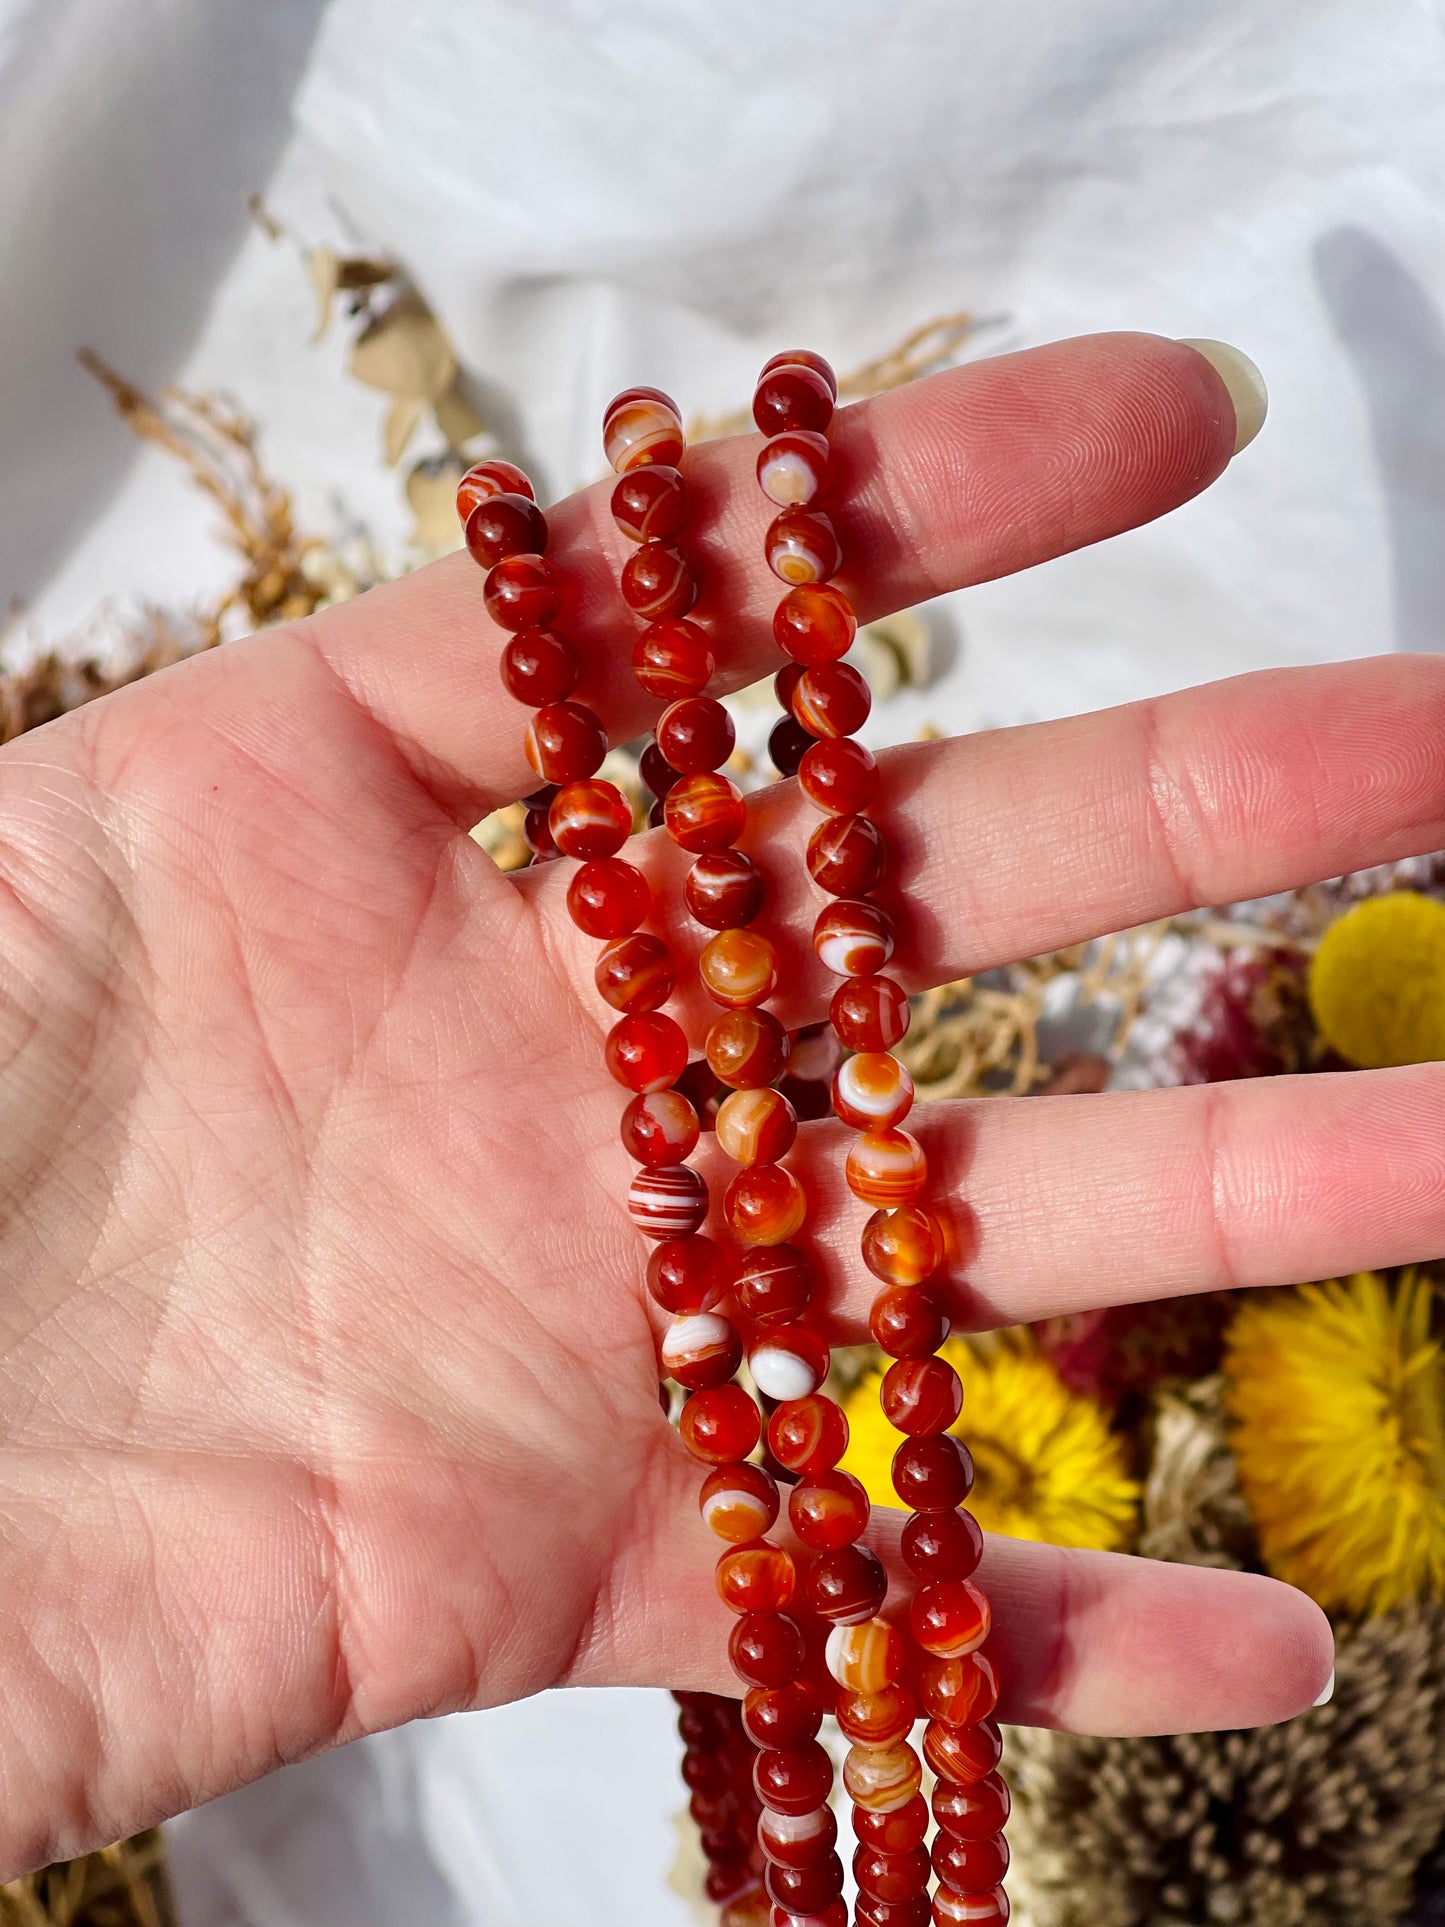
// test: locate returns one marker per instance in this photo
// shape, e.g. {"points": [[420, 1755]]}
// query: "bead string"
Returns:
{"points": [[903, 1244]]}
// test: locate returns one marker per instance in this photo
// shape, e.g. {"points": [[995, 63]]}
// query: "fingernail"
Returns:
{"points": [[1244, 382], [1329, 1690]]}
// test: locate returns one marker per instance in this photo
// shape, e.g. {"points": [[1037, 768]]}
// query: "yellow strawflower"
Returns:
{"points": [[1377, 981], [1048, 1465], [1338, 1394]]}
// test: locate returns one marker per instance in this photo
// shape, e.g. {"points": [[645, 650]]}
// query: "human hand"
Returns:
{"points": [[328, 1376]]}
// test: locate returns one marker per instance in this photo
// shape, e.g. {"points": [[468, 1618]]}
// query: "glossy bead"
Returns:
{"points": [[522, 592], [872, 1091], [635, 973], [738, 968], [792, 395], [788, 1362], [886, 1168], [942, 1545], [701, 1350], [793, 468], [783, 1717], [839, 776], [881, 1777], [756, 1126], [641, 427], [646, 1053], [775, 1282], [950, 1619], [873, 1912], [765, 1205], [832, 699], [695, 734], [538, 834], [788, 744], [899, 1830], [829, 1510], [903, 1246], [805, 1891], [688, 1274], [483, 480], [673, 659], [590, 819], [960, 1692], [504, 525], [724, 890], [869, 1013], [833, 1915], [797, 1839], [845, 855], [654, 769], [565, 742], [538, 667], [756, 1579], [866, 1658], [726, 1879], [796, 1779], [853, 938], [891, 1876], [802, 546], [951, 1909], [907, 1321], [659, 1127], [808, 1434], [876, 1719], [962, 1753], [815, 623], [608, 898], [650, 504], [804, 358], [668, 1200], [704, 812], [720, 1425], [921, 1396], [973, 1811], [657, 582], [747, 1048], [933, 1474], [738, 1502]]}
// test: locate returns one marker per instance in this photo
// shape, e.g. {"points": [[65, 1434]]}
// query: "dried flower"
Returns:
{"points": [[1377, 982], [1338, 1396]]}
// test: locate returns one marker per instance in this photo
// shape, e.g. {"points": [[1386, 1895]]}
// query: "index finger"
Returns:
{"points": [[956, 479]]}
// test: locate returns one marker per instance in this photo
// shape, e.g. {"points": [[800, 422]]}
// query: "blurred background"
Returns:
{"points": [[324, 252]]}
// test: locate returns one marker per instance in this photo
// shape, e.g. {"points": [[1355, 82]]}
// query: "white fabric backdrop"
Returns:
{"points": [[593, 193]]}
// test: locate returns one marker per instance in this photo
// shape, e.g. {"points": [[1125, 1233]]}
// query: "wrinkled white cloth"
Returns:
{"points": [[592, 193]]}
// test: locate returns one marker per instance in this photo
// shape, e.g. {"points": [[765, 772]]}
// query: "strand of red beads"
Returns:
{"points": [[903, 1243], [764, 1208]]}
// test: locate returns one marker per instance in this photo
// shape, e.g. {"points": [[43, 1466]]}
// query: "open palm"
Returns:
{"points": [[328, 1382]]}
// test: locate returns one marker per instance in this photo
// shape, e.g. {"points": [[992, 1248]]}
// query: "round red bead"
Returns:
{"points": [[668, 1201], [641, 427], [876, 1719], [764, 1205], [646, 1053], [650, 504], [695, 734], [904, 1245], [805, 1890], [847, 1586], [756, 1126], [921, 1395], [653, 767], [899, 1830], [538, 834], [839, 776], [907, 1321], [802, 546], [657, 582], [720, 1425], [686, 1275], [797, 1839], [484, 480], [832, 699], [869, 1013], [590, 819], [942, 1545], [873, 1912], [815, 623], [960, 1692], [793, 468], [951, 1618], [724, 890], [792, 395], [757, 1578], [522, 592], [505, 525], [845, 855], [853, 938], [672, 659], [829, 1510], [659, 1127], [538, 667], [783, 1717], [788, 744], [704, 812], [970, 1866], [565, 742], [775, 1283], [701, 1350], [808, 1434], [739, 1502], [803, 358], [891, 1876], [747, 1048], [962, 1753], [887, 1168], [933, 1474], [608, 898], [972, 1811], [635, 973], [798, 1779]]}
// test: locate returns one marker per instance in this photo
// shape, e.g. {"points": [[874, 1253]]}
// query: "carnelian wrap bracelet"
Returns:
{"points": [[760, 1780]]}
